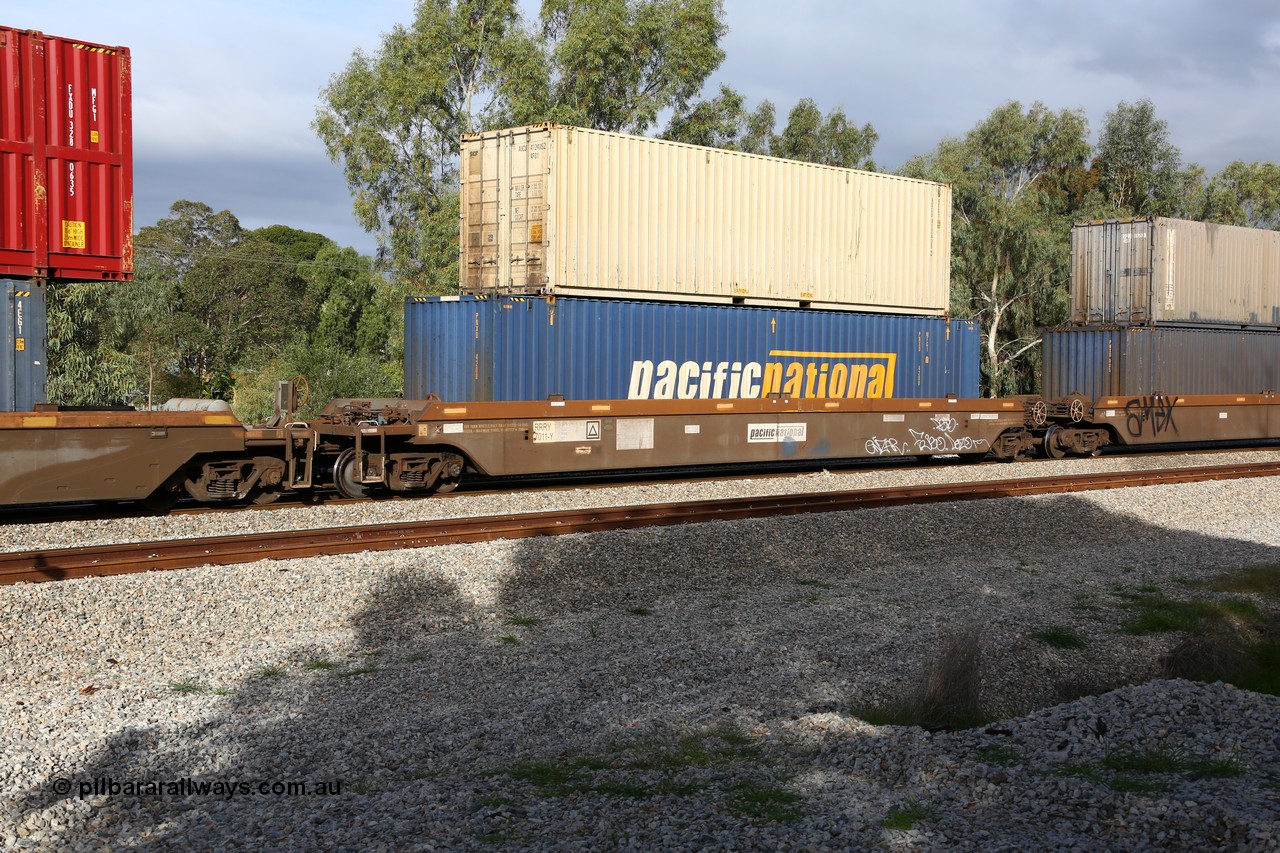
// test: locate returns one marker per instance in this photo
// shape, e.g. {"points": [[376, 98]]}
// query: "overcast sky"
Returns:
{"points": [[224, 92]]}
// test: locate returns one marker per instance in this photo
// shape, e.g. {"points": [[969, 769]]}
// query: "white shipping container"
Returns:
{"points": [[562, 211], [1159, 271]]}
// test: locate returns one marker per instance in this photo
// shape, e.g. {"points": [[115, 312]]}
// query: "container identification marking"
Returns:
{"points": [[553, 432], [776, 433], [72, 234], [20, 344]]}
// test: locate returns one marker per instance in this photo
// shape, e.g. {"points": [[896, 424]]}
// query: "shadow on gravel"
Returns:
{"points": [[606, 648]]}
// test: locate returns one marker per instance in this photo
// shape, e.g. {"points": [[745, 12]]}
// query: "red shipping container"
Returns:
{"points": [[66, 159]]}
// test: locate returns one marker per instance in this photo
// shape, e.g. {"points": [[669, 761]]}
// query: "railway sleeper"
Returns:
{"points": [[234, 479]]}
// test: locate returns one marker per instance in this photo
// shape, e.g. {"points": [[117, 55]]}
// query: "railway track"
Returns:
{"points": [[35, 566]]}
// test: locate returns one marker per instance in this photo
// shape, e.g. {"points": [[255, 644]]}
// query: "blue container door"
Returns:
{"points": [[23, 365]]}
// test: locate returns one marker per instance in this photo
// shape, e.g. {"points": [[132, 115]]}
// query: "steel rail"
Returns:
{"points": [[31, 566]]}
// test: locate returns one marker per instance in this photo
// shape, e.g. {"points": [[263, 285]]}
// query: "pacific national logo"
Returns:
{"points": [[790, 373]]}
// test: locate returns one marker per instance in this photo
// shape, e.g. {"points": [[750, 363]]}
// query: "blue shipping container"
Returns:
{"points": [[1134, 361], [513, 348], [23, 367]]}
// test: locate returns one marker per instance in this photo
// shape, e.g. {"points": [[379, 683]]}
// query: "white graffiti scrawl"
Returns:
{"points": [[927, 443], [940, 440], [885, 447], [945, 423]]}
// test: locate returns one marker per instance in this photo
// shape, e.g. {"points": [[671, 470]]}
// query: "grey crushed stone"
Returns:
{"points": [[692, 688]]}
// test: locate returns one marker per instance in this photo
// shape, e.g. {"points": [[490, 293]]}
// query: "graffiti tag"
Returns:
{"points": [[927, 443], [945, 423], [885, 447], [1154, 412]]}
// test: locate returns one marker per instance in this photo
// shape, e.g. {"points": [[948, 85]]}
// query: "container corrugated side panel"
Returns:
{"points": [[66, 158], [516, 348], [1175, 272], [23, 337], [441, 350], [1144, 360], [633, 217], [1216, 274], [22, 245], [1081, 361]]}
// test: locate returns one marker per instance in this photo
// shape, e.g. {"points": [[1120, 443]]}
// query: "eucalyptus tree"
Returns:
{"points": [[831, 140], [117, 342], [88, 361], [725, 122], [617, 64], [1139, 171], [393, 118], [1011, 178], [1246, 194]]}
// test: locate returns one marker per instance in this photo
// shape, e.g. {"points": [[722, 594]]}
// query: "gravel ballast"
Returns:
{"points": [[687, 688]]}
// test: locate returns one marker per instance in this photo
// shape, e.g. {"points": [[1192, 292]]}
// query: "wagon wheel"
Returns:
{"points": [[1051, 447], [450, 476], [344, 476], [1039, 413], [1076, 410]]}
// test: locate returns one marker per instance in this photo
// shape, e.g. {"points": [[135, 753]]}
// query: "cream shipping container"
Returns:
{"points": [[552, 210], [1172, 272]]}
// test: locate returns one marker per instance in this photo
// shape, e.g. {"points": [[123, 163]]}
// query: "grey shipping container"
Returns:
{"points": [[1159, 271], [1136, 361], [23, 367], [563, 211], [517, 348]]}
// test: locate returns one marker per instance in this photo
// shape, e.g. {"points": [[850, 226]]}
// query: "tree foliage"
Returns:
{"points": [[724, 122], [87, 364], [831, 140], [616, 64], [1011, 179], [1245, 194], [219, 311], [393, 118], [1139, 170]]}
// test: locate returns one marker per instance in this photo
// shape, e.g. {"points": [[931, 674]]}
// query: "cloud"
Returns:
{"points": [[307, 193]]}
